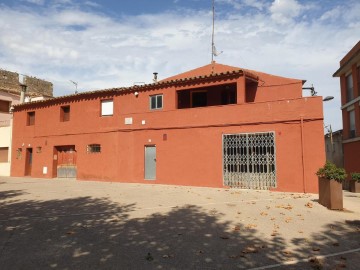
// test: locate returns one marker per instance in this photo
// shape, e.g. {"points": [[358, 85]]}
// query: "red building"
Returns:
{"points": [[213, 126], [349, 73]]}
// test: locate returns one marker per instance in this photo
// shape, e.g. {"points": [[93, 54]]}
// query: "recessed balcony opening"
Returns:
{"points": [[207, 96]]}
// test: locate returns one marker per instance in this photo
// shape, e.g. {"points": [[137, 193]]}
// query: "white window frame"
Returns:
{"points": [[107, 107], [156, 101]]}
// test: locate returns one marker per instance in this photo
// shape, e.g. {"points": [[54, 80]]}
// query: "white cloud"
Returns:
{"points": [[255, 3], [332, 14], [284, 11], [36, 2]]}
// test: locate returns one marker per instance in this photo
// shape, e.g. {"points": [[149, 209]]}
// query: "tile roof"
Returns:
{"points": [[187, 77]]}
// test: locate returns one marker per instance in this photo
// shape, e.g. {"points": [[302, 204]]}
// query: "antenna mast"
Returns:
{"points": [[213, 27], [213, 48]]}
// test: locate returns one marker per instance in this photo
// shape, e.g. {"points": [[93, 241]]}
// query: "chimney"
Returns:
{"points": [[23, 87], [155, 77]]}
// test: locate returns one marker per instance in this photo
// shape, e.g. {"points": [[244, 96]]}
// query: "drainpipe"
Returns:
{"points": [[302, 152]]}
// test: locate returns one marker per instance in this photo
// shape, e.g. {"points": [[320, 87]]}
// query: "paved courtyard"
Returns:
{"points": [[68, 224]]}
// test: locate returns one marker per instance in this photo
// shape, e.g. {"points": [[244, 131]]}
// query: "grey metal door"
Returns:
{"points": [[150, 162]]}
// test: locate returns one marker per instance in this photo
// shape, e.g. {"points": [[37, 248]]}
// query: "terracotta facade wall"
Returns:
{"points": [[188, 141]]}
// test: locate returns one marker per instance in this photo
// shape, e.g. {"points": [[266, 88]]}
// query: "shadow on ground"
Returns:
{"points": [[89, 233]]}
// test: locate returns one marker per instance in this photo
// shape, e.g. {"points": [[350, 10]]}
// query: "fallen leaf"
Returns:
{"points": [[70, 232], [250, 249], [340, 265], [317, 264], [263, 213], [309, 205], [225, 237], [316, 249], [287, 207], [237, 228], [149, 257], [250, 226], [288, 219]]}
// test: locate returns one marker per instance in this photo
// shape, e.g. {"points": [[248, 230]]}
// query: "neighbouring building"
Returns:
{"points": [[349, 73], [334, 148], [214, 126], [9, 96]]}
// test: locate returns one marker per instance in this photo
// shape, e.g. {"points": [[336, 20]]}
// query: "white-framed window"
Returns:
{"points": [[107, 107], [156, 102]]}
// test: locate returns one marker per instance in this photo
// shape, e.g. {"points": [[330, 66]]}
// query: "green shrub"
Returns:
{"points": [[331, 172], [355, 176]]}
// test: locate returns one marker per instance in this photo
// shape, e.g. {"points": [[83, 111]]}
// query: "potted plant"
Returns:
{"points": [[355, 182], [330, 186]]}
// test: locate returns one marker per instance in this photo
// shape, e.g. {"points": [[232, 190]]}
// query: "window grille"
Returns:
{"points": [[249, 160], [94, 148]]}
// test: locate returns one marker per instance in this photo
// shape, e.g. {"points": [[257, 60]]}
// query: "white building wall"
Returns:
{"points": [[6, 130], [5, 141]]}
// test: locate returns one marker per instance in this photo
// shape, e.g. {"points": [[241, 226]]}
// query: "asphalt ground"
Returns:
{"points": [[69, 224]]}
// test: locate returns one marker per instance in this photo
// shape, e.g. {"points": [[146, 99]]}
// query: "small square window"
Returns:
{"points": [[38, 149], [156, 102], [107, 107], [30, 118], [18, 153], [93, 148], [65, 113]]}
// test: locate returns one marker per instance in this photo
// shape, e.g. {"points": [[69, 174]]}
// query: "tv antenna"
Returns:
{"points": [[214, 52], [76, 84]]}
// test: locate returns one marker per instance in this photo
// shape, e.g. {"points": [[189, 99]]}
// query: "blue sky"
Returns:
{"points": [[102, 44]]}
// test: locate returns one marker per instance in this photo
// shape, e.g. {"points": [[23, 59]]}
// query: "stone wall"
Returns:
{"points": [[10, 81]]}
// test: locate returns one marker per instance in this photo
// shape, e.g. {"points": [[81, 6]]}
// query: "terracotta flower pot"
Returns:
{"points": [[330, 194], [354, 186]]}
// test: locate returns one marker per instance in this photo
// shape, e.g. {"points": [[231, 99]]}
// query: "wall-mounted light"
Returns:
{"points": [[136, 94]]}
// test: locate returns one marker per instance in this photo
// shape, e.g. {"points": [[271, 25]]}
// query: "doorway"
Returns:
{"points": [[66, 161], [28, 161], [150, 162]]}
